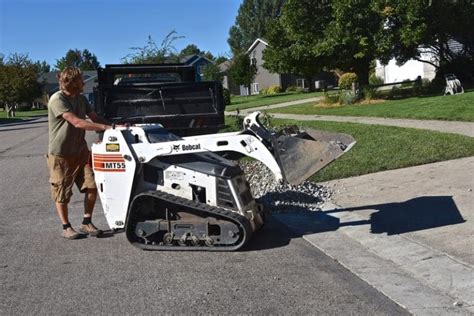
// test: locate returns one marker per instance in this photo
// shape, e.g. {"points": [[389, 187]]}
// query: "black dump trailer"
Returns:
{"points": [[160, 93]]}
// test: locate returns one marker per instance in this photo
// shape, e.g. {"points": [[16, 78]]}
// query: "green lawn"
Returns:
{"points": [[381, 148], [242, 102], [20, 115], [451, 108]]}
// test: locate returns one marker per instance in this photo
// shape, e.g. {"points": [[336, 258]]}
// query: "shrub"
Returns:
{"points": [[398, 93], [369, 92], [266, 119], [238, 121], [331, 98], [375, 81], [347, 79], [348, 97], [23, 107], [226, 94], [291, 89], [406, 84], [274, 89]]}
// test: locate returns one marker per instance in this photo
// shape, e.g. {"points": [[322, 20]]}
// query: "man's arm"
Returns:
{"points": [[97, 119], [83, 124]]}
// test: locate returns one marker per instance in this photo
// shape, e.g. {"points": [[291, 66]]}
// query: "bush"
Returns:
{"points": [[23, 107], [406, 84], [291, 89], [226, 94], [375, 81], [331, 98], [398, 93], [348, 97], [266, 119], [273, 89], [347, 79], [370, 92], [263, 91]]}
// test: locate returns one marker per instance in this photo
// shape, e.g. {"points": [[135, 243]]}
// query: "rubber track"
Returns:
{"points": [[196, 208]]}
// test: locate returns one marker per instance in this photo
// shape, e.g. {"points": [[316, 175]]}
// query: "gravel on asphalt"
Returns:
{"points": [[283, 197]]}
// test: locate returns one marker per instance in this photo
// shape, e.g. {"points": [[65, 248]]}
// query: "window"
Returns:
{"points": [[253, 59], [200, 70], [255, 89], [301, 83]]}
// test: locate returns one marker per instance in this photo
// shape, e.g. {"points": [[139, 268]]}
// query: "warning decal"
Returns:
{"points": [[109, 163]]}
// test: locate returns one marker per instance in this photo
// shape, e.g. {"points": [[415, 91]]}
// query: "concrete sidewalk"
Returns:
{"points": [[273, 106], [462, 128], [408, 232]]}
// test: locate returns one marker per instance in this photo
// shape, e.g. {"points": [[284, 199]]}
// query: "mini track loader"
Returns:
{"points": [[169, 191]]}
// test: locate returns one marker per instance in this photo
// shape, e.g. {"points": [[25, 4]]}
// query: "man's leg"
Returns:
{"points": [[62, 210], [68, 231], [61, 185], [90, 196], [86, 184]]}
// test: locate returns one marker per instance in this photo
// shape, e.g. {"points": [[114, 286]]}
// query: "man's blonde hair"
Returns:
{"points": [[67, 78]]}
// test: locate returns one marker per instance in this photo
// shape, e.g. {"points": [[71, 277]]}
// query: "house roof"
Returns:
{"points": [[50, 81], [255, 43], [50, 77], [192, 59], [224, 66]]}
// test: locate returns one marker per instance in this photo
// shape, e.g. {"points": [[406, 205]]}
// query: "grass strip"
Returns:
{"points": [[21, 116], [458, 107], [245, 102], [382, 148]]}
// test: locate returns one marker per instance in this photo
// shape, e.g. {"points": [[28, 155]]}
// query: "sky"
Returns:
{"points": [[47, 29]]}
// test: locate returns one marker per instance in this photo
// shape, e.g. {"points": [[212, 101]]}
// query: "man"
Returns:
{"points": [[68, 154]]}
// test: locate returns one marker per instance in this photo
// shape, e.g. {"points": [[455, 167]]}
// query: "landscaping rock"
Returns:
{"points": [[280, 197]]}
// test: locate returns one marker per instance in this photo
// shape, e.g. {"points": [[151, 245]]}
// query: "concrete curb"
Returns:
{"points": [[407, 232], [398, 276]]}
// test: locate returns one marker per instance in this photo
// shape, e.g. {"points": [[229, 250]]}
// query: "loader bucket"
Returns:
{"points": [[303, 154]]}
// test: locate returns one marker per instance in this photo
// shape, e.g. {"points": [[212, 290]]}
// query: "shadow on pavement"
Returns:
{"points": [[390, 218], [272, 235]]}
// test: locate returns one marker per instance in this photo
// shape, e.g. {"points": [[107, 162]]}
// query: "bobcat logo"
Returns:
{"points": [[175, 147]]}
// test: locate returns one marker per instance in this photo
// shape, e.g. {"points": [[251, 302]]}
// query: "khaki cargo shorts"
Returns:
{"points": [[65, 171]]}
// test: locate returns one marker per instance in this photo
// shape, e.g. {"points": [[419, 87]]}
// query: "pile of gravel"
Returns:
{"points": [[283, 198]]}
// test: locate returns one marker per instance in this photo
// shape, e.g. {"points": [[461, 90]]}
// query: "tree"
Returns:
{"points": [[191, 49], [18, 81], [89, 61], [312, 35], [416, 27], [242, 71], [212, 72], [42, 67], [220, 59], [251, 22], [83, 60], [151, 53]]}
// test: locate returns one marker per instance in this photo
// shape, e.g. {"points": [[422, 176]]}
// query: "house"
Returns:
{"points": [[198, 62], [412, 69], [50, 83], [227, 82], [264, 78]]}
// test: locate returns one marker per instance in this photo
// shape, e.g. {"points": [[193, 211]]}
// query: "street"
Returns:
{"points": [[42, 273]]}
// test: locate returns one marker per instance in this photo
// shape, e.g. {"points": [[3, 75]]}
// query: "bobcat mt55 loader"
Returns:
{"points": [[172, 191]]}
